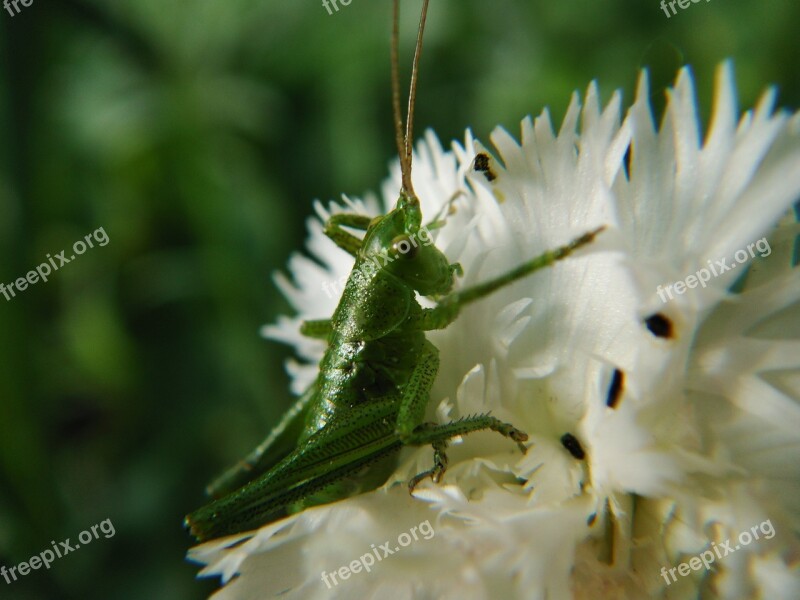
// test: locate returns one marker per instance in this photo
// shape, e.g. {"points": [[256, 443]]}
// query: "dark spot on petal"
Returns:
{"points": [[627, 162], [481, 164], [592, 518], [571, 443], [659, 325], [615, 389]]}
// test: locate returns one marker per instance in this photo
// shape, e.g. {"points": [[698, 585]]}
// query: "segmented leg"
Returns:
{"points": [[448, 308], [345, 240], [439, 465], [318, 329], [428, 433], [416, 392], [447, 209], [412, 431], [361, 437], [437, 436]]}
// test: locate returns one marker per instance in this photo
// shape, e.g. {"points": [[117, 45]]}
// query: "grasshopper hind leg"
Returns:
{"points": [[411, 430], [370, 478], [439, 465], [438, 435]]}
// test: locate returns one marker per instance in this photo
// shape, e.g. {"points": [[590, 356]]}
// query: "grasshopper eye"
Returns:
{"points": [[402, 245]]}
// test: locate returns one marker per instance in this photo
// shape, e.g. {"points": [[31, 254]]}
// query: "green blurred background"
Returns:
{"points": [[197, 135]]}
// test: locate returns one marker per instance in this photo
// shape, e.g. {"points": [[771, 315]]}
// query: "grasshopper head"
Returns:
{"points": [[407, 249]]}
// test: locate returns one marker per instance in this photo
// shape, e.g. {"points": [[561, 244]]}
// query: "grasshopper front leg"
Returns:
{"points": [[318, 329], [346, 241], [449, 307]]}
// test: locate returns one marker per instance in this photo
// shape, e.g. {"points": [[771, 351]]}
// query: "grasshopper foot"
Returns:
{"points": [[439, 466], [512, 433]]}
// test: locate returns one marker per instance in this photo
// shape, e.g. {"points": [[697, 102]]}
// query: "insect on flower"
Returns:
{"points": [[342, 437]]}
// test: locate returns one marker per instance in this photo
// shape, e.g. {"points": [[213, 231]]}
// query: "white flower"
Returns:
{"points": [[688, 411]]}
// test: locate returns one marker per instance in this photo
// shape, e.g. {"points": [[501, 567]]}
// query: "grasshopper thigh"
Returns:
{"points": [[352, 430], [358, 431], [298, 481]]}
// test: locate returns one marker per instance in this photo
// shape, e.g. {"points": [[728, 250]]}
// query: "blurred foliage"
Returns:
{"points": [[197, 135]]}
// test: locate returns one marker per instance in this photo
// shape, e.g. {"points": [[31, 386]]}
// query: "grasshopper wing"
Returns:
{"points": [[280, 442]]}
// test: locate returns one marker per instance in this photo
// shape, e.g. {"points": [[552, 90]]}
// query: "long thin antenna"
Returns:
{"points": [[404, 141], [398, 119], [412, 93]]}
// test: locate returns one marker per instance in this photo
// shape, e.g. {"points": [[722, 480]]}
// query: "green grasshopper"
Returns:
{"points": [[343, 436]]}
